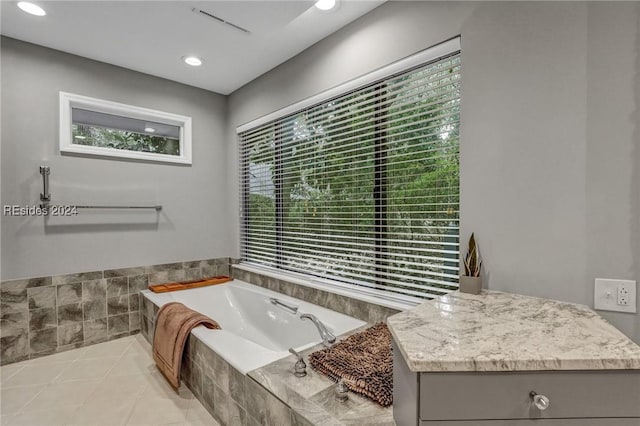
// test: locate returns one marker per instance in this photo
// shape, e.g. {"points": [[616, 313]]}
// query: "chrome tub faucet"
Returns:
{"points": [[327, 337]]}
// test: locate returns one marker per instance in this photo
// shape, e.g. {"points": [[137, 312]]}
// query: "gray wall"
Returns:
{"points": [[191, 225], [550, 179]]}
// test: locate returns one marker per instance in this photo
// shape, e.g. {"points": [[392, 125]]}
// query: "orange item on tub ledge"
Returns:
{"points": [[183, 285]]}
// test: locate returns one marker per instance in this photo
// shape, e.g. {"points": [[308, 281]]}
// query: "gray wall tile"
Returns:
{"points": [[94, 289], [193, 274], [256, 401], [14, 324], [251, 421], [219, 370], [147, 308], [134, 302], [118, 335], [72, 278], [221, 404], [208, 392], [13, 308], [209, 271], [68, 334], [118, 324], [195, 378], [146, 329], [94, 309], [26, 283], [176, 275], [134, 321], [95, 331], [68, 314], [42, 318], [237, 415], [117, 305], [163, 267], [123, 272], [69, 293], [237, 385], [158, 277], [39, 282], [277, 412], [138, 283], [117, 286], [13, 286], [14, 349], [43, 340], [223, 270], [41, 297]]}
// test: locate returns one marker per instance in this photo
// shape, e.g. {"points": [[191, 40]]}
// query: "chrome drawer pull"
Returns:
{"points": [[540, 401]]}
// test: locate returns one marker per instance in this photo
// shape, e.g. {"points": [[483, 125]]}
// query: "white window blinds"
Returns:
{"points": [[362, 188]]}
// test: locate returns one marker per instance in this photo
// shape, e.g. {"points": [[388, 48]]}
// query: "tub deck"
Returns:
{"points": [[312, 398]]}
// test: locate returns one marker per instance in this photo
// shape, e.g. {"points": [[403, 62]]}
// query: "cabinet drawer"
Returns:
{"points": [[578, 394], [538, 422]]}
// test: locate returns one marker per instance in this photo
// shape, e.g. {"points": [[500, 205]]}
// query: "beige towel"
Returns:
{"points": [[173, 325]]}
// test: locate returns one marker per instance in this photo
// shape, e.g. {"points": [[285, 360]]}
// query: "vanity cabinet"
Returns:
{"points": [[504, 359], [575, 398]]}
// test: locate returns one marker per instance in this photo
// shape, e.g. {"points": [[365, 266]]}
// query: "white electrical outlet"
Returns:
{"points": [[615, 295], [623, 296]]}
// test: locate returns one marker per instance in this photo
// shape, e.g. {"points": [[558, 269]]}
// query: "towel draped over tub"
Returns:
{"points": [[173, 326]]}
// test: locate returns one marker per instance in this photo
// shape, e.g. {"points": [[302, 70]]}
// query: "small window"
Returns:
{"points": [[102, 128]]}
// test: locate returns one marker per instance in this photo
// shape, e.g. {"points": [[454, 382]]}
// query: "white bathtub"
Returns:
{"points": [[254, 332]]}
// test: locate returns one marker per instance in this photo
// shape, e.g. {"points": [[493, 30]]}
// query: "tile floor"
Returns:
{"points": [[113, 383]]}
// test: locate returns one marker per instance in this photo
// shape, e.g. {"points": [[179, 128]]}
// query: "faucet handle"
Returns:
{"points": [[342, 392], [300, 369]]}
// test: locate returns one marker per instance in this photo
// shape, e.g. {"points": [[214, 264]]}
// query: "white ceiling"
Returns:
{"points": [[153, 36]]}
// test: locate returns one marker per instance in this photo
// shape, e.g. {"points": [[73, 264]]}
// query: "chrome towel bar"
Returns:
{"points": [[290, 308], [45, 196], [157, 208]]}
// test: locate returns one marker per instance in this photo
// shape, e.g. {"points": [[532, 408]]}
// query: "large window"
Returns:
{"points": [[362, 188]]}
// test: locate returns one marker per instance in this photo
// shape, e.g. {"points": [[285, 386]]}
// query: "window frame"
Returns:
{"points": [[68, 101], [417, 60]]}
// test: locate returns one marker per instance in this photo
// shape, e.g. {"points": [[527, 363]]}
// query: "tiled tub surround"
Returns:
{"points": [[270, 395], [369, 312], [311, 399], [45, 315]]}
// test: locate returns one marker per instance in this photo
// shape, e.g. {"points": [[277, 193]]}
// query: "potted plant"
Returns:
{"points": [[471, 282]]}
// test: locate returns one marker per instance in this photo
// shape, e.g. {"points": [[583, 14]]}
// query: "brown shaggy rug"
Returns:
{"points": [[363, 360]]}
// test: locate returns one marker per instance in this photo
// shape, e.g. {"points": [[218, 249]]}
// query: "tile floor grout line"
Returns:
{"points": [[19, 410], [2, 383]]}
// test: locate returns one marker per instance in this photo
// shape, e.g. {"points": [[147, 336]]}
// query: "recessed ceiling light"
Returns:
{"points": [[326, 4], [31, 8], [149, 129], [194, 61]]}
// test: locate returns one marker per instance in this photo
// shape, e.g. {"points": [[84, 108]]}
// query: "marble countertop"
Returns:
{"points": [[495, 331]]}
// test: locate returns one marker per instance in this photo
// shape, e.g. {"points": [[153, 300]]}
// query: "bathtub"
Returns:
{"points": [[255, 332]]}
